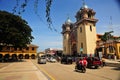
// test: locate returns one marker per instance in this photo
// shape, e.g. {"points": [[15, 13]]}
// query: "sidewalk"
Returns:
{"points": [[112, 62], [21, 71]]}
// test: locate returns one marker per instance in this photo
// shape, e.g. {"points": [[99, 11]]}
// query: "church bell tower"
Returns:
{"points": [[86, 30], [66, 29]]}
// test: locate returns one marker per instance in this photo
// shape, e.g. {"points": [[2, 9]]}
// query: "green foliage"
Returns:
{"points": [[107, 36], [104, 37], [14, 30]]}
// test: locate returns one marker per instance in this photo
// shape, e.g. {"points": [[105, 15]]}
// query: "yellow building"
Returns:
{"points": [[10, 52], [80, 37], [109, 48]]}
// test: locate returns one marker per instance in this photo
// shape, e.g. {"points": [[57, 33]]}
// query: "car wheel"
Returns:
{"points": [[89, 66], [96, 67]]}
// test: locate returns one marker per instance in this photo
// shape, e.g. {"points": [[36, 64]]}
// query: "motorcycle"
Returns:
{"points": [[80, 67]]}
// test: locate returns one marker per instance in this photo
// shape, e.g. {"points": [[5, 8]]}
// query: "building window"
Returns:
{"points": [[89, 15], [80, 29], [0, 48], [79, 18], [90, 28], [119, 48], [33, 48], [20, 48], [15, 49], [8, 48], [81, 45], [27, 48]]}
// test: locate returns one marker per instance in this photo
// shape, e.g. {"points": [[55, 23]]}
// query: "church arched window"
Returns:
{"points": [[90, 28], [80, 29], [89, 15]]}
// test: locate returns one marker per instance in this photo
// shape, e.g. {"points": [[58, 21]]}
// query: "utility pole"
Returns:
{"points": [[111, 25]]}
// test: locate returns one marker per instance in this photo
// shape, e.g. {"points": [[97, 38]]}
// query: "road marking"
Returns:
{"points": [[44, 72]]}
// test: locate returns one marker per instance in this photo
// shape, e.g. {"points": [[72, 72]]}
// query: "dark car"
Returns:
{"points": [[94, 62], [66, 60]]}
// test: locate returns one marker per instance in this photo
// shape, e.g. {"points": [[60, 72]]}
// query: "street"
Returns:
{"points": [[30, 70], [60, 71]]}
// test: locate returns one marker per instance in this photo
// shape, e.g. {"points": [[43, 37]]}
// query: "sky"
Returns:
{"points": [[107, 12]]}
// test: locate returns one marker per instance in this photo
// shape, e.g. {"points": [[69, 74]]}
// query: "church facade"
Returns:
{"points": [[80, 37]]}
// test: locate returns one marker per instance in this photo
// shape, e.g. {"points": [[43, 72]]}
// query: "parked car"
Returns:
{"points": [[93, 62], [48, 59], [66, 60], [42, 60], [52, 59]]}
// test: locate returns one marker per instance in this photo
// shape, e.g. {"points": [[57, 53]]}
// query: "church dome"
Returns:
{"points": [[68, 21], [84, 6]]}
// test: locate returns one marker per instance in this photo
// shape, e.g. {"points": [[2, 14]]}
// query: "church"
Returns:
{"points": [[80, 38]]}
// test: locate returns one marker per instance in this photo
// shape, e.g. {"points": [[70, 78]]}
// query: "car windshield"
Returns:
{"points": [[42, 57]]}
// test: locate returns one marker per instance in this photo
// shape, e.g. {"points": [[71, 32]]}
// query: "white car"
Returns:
{"points": [[52, 59], [42, 60]]}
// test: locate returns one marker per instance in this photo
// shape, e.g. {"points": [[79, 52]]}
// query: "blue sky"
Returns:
{"points": [[60, 9]]}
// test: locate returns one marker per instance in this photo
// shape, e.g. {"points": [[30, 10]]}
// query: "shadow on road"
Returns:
{"points": [[116, 68], [11, 61]]}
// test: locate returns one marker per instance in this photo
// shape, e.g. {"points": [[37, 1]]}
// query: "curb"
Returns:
{"points": [[112, 64]]}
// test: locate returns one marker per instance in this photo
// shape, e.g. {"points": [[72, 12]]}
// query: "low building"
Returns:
{"points": [[29, 52], [53, 51], [40, 54], [110, 48]]}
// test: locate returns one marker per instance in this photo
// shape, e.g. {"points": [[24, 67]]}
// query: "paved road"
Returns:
{"points": [[59, 71], [21, 71], [30, 70]]}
